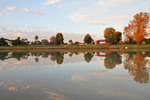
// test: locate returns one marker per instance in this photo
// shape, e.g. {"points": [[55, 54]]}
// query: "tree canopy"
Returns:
{"points": [[3, 42], [136, 29], [36, 38], [88, 39], [59, 38], [112, 36], [52, 40]]}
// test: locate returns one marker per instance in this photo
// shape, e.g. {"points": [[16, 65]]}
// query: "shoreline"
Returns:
{"points": [[78, 48]]}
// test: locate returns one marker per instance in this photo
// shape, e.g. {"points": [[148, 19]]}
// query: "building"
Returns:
{"points": [[9, 42]]}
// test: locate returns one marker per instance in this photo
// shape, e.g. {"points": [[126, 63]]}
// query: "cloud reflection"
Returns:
{"points": [[55, 96], [18, 86]]}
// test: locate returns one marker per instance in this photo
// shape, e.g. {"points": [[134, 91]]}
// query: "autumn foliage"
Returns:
{"points": [[136, 29]]}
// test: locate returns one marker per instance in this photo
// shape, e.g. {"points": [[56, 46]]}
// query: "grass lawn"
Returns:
{"points": [[129, 47]]}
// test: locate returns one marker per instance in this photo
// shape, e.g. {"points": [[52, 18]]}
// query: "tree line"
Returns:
{"points": [[135, 33]]}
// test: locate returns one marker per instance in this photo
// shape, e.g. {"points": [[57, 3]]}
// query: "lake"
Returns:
{"points": [[74, 75]]}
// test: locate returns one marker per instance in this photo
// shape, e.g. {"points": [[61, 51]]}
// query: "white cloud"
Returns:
{"points": [[96, 23], [25, 9], [11, 8], [31, 11], [50, 2]]}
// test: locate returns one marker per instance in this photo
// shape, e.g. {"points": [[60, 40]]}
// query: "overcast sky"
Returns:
{"points": [[74, 18]]}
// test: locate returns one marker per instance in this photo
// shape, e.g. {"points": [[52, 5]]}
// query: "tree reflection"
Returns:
{"points": [[37, 54], [53, 57], [59, 57], [70, 54], [3, 55], [36, 59], [136, 66], [111, 60], [45, 55], [88, 57]]}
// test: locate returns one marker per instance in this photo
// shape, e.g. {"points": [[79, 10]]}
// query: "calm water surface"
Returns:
{"points": [[74, 76]]}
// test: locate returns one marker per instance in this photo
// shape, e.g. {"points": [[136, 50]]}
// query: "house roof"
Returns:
{"points": [[102, 40]]}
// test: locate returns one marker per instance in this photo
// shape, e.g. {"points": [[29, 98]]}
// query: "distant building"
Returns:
{"points": [[102, 41], [9, 42]]}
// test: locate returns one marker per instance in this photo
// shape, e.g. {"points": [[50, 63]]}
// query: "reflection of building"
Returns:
{"points": [[100, 54]]}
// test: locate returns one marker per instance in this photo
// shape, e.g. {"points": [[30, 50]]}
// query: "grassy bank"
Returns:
{"points": [[127, 47]]}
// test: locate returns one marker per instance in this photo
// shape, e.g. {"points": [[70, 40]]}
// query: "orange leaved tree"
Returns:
{"points": [[137, 28]]}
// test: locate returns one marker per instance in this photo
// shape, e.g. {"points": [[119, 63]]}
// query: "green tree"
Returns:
{"points": [[108, 34], [59, 38], [45, 41], [117, 36], [36, 38], [88, 39], [16, 42], [112, 36], [3, 42]]}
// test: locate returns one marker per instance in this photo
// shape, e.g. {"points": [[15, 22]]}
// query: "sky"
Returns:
{"points": [[73, 18]]}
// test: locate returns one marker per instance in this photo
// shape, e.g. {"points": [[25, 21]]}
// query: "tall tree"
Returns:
{"points": [[36, 38], [108, 34], [128, 31], [88, 39], [59, 38], [17, 41], [117, 37], [138, 26]]}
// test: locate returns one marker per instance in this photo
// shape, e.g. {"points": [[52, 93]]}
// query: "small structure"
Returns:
{"points": [[9, 42], [100, 54], [102, 41]]}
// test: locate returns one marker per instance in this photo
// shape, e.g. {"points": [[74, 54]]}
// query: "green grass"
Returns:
{"points": [[131, 47]]}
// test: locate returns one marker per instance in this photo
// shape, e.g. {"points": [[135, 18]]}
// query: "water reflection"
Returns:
{"points": [[74, 75], [112, 59], [136, 66], [135, 62], [88, 56]]}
